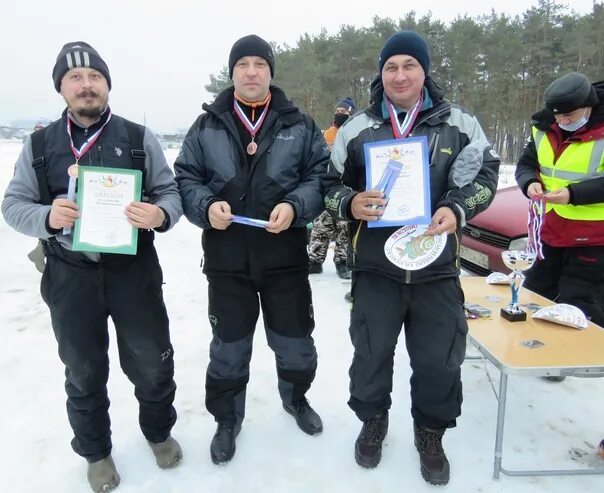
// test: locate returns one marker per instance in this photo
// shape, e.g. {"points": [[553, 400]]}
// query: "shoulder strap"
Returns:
{"points": [[136, 135], [37, 147]]}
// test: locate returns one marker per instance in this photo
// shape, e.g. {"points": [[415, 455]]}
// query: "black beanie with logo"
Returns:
{"points": [[78, 54]]}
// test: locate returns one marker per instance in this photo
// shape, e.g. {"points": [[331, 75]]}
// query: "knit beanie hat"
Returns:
{"points": [[405, 43], [251, 45], [78, 54], [348, 104], [570, 92]]}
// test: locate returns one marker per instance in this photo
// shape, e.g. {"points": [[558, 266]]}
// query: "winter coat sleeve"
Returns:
{"points": [[527, 169], [341, 178], [587, 192], [21, 208], [473, 176], [191, 177], [160, 188], [307, 197]]}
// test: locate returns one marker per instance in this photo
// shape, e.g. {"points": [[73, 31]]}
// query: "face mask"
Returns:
{"points": [[573, 127], [339, 119]]}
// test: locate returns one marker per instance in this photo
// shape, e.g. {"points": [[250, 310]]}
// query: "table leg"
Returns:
{"points": [[503, 389]]}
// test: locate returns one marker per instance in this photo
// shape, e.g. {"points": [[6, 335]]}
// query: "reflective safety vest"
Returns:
{"points": [[580, 161]]}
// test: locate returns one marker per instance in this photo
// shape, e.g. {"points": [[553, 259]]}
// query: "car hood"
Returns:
{"points": [[507, 215]]}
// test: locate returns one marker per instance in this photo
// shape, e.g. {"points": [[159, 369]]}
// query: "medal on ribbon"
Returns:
{"points": [[535, 222], [402, 130], [72, 171], [252, 128]]}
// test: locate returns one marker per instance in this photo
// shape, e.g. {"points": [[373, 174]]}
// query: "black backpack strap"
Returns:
{"points": [[136, 134], [37, 148]]}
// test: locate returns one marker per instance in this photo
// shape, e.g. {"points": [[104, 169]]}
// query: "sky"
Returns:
{"points": [[548, 425], [160, 54]]}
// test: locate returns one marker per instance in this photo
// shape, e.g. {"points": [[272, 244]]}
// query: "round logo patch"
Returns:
{"points": [[409, 249]]}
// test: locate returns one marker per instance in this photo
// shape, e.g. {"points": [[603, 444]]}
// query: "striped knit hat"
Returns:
{"points": [[78, 54]]}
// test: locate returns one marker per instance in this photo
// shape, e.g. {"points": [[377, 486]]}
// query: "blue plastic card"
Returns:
{"points": [[249, 221]]}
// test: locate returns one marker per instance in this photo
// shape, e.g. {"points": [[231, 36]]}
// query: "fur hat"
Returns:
{"points": [[570, 92], [78, 54], [251, 45], [406, 43]]}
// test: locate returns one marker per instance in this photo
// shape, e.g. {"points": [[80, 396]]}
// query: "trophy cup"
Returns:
{"points": [[516, 261]]}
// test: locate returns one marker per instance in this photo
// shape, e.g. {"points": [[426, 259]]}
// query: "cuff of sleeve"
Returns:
{"points": [[165, 225], [51, 231]]}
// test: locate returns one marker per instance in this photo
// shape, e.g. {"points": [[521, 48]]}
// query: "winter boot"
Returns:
{"points": [[168, 453], [102, 475], [368, 447], [434, 462], [222, 448], [315, 268], [306, 417], [343, 271]]}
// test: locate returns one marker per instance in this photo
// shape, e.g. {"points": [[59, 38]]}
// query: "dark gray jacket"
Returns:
{"points": [[212, 166]]}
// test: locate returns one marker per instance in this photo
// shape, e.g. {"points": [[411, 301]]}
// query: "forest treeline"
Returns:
{"points": [[497, 66]]}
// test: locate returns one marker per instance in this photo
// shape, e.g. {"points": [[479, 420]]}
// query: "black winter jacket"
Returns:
{"points": [[463, 177], [212, 166]]}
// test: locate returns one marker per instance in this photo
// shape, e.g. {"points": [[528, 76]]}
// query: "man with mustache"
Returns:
{"points": [[83, 289]]}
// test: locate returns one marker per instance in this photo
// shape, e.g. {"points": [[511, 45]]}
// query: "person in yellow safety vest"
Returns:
{"points": [[563, 162]]}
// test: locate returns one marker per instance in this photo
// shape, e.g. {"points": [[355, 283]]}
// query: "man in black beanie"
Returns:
{"points": [[563, 163], [388, 293], [83, 289], [249, 176]]}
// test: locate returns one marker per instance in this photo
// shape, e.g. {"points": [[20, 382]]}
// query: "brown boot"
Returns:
{"points": [[434, 463], [167, 453], [102, 475]]}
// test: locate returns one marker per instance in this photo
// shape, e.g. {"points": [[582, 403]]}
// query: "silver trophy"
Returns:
{"points": [[517, 261]]}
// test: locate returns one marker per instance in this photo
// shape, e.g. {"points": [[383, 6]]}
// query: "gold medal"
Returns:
{"points": [[251, 148], [73, 170]]}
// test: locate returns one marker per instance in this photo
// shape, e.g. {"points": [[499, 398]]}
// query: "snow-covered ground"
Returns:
{"points": [[549, 425]]}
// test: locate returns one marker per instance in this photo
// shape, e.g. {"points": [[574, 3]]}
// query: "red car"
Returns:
{"points": [[503, 226]]}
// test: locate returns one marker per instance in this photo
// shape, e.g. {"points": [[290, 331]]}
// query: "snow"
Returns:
{"points": [[548, 425]]}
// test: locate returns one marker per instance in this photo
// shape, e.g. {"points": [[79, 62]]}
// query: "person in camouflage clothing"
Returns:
{"points": [[325, 228]]}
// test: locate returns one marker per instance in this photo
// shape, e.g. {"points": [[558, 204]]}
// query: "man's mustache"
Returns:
{"points": [[88, 94]]}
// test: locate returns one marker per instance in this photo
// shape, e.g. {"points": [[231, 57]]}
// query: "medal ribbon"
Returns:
{"points": [[401, 130], [78, 153], [535, 221], [252, 128]]}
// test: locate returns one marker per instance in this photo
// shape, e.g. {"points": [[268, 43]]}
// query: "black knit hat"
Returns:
{"points": [[78, 54], [570, 92], [406, 43], [348, 104], [251, 45]]}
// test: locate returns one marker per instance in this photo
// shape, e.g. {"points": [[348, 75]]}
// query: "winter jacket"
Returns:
{"points": [[558, 231], [212, 166], [21, 206], [463, 176]]}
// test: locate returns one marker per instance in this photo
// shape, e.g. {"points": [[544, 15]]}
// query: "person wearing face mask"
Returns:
{"points": [[563, 162], [325, 227]]}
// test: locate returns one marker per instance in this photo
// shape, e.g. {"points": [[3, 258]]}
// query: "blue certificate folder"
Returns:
{"points": [[385, 163]]}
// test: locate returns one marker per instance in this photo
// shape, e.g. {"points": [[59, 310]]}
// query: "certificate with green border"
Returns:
{"points": [[102, 198]]}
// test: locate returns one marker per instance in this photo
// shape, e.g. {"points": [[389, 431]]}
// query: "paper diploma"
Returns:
{"points": [[407, 187], [103, 195]]}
